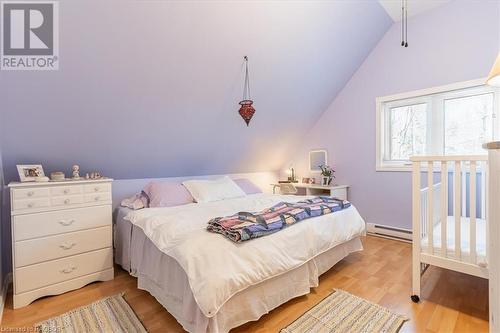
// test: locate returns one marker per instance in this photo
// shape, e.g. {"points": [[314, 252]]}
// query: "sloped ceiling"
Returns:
{"points": [[150, 88], [414, 7]]}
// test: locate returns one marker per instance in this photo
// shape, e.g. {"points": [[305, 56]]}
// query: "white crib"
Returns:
{"points": [[450, 228]]}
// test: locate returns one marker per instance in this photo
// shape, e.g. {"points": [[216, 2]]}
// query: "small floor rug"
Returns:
{"points": [[342, 312], [111, 314]]}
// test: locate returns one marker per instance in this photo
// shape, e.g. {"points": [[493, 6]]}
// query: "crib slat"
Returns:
{"points": [[423, 213], [417, 239], [484, 166], [457, 211], [430, 201], [486, 202], [464, 193], [472, 212], [444, 208]]}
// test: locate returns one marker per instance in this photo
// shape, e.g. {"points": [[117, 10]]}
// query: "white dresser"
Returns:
{"points": [[61, 237], [338, 191]]}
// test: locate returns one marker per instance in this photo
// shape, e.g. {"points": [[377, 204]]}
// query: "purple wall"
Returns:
{"points": [[455, 42], [150, 88]]}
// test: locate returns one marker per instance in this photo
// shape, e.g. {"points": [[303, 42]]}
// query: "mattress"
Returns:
{"points": [[464, 239], [163, 277]]}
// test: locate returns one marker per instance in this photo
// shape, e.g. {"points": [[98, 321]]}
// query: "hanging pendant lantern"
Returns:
{"points": [[246, 109]]}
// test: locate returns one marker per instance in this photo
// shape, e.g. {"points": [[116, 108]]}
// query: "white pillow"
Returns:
{"points": [[213, 190]]}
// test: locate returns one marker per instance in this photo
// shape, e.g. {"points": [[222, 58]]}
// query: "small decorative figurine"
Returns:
{"points": [[76, 171], [87, 176]]}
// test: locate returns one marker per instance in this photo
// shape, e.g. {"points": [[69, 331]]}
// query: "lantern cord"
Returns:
{"points": [[246, 88], [402, 23], [406, 23]]}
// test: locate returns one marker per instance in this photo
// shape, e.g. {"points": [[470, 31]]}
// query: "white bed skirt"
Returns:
{"points": [[163, 278]]}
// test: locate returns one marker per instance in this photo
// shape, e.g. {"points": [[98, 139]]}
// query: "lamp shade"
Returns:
{"points": [[494, 77]]}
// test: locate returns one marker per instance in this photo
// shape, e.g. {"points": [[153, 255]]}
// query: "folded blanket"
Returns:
{"points": [[245, 225]]}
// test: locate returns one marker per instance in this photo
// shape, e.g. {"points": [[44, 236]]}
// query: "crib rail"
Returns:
{"points": [[424, 213], [447, 177], [494, 233]]}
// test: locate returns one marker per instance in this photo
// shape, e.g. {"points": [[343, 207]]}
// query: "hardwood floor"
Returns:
{"points": [[451, 302]]}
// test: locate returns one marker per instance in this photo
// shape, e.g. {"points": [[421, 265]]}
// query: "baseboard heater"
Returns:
{"points": [[389, 232]]}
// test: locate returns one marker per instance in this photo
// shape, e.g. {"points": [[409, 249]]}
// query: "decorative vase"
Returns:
{"points": [[325, 180]]}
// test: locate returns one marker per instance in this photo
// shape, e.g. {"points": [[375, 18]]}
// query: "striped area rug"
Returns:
{"points": [[111, 314], [342, 312]]}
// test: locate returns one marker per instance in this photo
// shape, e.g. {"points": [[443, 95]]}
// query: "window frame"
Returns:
{"points": [[434, 112]]}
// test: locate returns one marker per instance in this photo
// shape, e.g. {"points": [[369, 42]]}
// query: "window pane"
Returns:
{"points": [[468, 124], [408, 131]]}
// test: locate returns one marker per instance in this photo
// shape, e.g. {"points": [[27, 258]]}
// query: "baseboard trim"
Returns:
{"points": [[3, 297], [389, 232]]}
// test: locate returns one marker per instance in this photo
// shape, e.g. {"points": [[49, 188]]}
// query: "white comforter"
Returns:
{"points": [[218, 268]]}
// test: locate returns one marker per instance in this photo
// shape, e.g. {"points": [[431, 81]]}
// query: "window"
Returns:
{"points": [[407, 131], [450, 120]]}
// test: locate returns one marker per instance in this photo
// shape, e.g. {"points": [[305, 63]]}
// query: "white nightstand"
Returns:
{"points": [[61, 237], [338, 191]]}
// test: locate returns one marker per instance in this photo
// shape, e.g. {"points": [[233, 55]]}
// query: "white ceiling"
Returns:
{"points": [[393, 7]]}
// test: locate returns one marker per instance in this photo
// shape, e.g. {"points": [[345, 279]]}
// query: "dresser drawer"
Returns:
{"points": [[98, 197], [66, 190], [30, 193], [57, 222], [96, 188], [23, 204], [55, 271], [67, 200], [38, 250]]}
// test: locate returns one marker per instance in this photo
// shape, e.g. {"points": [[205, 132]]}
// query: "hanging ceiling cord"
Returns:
{"points": [[404, 23], [246, 88]]}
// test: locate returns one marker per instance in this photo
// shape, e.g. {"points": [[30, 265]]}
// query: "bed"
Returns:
{"points": [[211, 284]]}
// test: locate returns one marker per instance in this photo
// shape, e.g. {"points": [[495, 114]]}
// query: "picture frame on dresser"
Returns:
{"points": [[28, 172], [61, 237]]}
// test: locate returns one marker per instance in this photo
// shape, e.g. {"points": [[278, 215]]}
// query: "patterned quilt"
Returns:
{"points": [[244, 226]]}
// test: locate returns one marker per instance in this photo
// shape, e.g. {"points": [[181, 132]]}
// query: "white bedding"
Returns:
{"points": [[216, 267], [464, 239]]}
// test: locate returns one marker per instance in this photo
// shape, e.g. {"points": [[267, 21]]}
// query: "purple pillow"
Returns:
{"points": [[247, 186], [167, 194]]}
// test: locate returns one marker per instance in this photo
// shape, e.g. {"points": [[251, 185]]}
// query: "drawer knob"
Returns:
{"points": [[66, 201], [67, 246], [66, 191], [96, 189], [97, 198], [31, 205], [66, 222], [30, 193], [68, 270]]}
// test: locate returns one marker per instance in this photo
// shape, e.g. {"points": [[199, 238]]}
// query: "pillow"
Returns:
{"points": [[213, 190], [138, 201], [167, 194], [247, 186]]}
